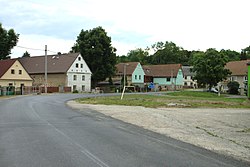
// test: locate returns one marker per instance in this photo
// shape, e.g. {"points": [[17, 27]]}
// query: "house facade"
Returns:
{"points": [[166, 76], [133, 71], [238, 73], [12, 73], [188, 79], [67, 70]]}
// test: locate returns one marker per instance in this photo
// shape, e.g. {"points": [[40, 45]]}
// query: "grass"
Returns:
{"points": [[188, 98]]}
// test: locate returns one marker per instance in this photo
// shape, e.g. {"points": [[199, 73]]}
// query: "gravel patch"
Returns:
{"points": [[226, 131]]}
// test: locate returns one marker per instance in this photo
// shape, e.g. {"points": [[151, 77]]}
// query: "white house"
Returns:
{"points": [[68, 70]]}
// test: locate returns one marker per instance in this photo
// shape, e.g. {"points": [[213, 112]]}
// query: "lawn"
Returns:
{"points": [[177, 99]]}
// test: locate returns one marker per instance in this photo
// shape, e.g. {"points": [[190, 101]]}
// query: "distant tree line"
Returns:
{"points": [[169, 53]]}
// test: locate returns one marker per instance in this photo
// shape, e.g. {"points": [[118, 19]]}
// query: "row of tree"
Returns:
{"points": [[169, 52], [96, 48]]}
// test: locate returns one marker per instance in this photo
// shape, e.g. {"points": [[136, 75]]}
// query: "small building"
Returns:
{"points": [[238, 73], [12, 73], [67, 70], [165, 76], [133, 71], [188, 79]]}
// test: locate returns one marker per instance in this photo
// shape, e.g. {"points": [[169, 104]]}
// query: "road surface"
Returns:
{"points": [[41, 131]]}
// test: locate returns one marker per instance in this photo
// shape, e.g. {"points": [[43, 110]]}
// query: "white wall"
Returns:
{"points": [[81, 70]]}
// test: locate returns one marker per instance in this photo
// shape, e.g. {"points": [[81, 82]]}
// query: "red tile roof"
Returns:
{"points": [[5, 65], [164, 70], [56, 63], [238, 67], [130, 68]]}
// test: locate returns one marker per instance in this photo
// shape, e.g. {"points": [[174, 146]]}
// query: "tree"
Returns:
{"points": [[26, 54], [8, 39], [209, 67], [96, 49], [231, 54], [169, 53], [138, 55], [233, 87], [246, 52]]}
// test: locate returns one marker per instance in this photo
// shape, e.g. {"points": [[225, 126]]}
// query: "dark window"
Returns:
{"points": [[83, 78], [74, 77], [139, 77], [77, 65], [168, 79], [12, 71], [79, 58], [135, 76], [81, 65], [20, 72]]}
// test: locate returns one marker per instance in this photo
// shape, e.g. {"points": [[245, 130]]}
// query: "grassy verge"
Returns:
{"points": [[184, 98]]}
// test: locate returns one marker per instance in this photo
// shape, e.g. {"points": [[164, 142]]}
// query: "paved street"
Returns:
{"points": [[41, 131]]}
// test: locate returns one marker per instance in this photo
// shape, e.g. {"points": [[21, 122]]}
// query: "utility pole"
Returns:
{"points": [[45, 70]]}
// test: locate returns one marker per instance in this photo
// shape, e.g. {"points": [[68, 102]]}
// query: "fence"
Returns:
{"points": [[25, 90]]}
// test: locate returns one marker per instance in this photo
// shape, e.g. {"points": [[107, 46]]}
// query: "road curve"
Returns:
{"points": [[41, 131]]}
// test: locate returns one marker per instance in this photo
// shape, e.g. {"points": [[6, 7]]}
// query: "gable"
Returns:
{"points": [[138, 70], [79, 65], [16, 72]]}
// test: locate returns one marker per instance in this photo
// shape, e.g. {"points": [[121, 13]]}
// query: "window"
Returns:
{"points": [[10, 84], [245, 78], [20, 72], [81, 65], [79, 58], [185, 77], [77, 65], [135, 76], [185, 83], [168, 79], [83, 88], [74, 77], [83, 78], [12, 71], [139, 77]]}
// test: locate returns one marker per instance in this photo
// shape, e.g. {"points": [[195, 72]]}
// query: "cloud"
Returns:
{"points": [[192, 24]]}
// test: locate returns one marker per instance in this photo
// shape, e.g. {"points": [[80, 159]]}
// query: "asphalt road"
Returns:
{"points": [[41, 131]]}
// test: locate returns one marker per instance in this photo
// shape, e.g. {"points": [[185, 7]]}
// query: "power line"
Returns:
{"points": [[34, 49]]}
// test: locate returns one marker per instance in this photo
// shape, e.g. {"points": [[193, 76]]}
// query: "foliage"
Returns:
{"points": [[75, 91], [8, 39], [232, 55], [233, 87], [209, 67], [169, 53], [96, 49], [245, 54], [26, 54]]}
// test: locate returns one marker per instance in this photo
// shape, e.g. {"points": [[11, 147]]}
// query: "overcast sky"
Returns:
{"points": [[191, 24]]}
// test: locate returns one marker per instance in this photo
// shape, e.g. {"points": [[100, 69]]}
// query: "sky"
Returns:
{"points": [[131, 24]]}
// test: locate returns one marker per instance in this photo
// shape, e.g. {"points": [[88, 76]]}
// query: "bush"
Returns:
{"points": [[233, 87], [75, 91]]}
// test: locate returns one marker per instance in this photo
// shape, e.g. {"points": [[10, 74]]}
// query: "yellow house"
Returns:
{"points": [[12, 73]]}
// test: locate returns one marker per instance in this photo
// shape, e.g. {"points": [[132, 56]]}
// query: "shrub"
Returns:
{"points": [[75, 91], [233, 87]]}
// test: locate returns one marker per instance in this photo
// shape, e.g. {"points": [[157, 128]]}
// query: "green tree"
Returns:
{"points": [[209, 67], [138, 55], [169, 53], [231, 54], [26, 54], [96, 49], [247, 52], [8, 39]]}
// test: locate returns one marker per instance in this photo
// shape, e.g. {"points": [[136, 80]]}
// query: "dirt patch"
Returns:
{"points": [[221, 130]]}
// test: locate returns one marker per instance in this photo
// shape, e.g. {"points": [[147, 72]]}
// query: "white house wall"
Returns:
{"points": [[77, 83]]}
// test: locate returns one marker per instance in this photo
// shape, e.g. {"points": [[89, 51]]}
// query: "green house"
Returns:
{"points": [[165, 76]]}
